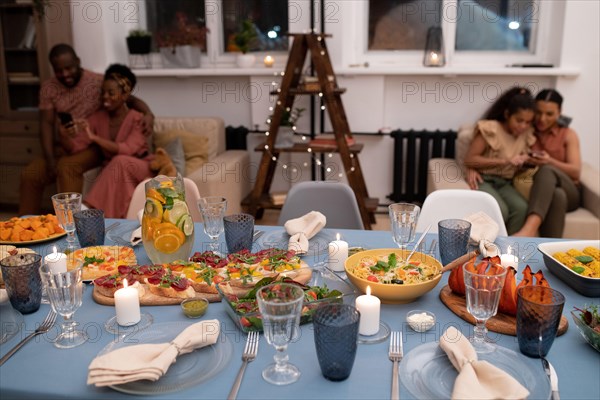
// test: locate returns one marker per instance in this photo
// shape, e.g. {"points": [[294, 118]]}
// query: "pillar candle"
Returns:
{"points": [[269, 61], [338, 253], [369, 307], [57, 262], [127, 305], [509, 260]]}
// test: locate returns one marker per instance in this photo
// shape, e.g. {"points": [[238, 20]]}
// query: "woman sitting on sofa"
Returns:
{"points": [[117, 130], [555, 189], [500, 147]]}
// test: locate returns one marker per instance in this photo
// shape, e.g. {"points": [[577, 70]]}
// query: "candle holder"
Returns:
{"points": [[382, 334], [112, 326], [434, 48]]}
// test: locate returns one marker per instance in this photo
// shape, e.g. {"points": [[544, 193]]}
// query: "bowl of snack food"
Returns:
{"points": [[577, 263], [390, 277], [588, 323], [420, 320], [194, 308]]}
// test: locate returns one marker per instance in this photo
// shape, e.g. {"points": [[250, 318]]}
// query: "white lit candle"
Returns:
{"points": [[269, 61], [368, 306], [338, 253], [509, 260], [127, 305], [57, 262]]}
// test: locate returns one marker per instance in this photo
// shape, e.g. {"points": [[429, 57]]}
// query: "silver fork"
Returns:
{"points": [[43, 328], [249, 355], [395, 355]]}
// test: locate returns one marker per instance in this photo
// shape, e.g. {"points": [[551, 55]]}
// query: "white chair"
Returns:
{"points": [[333, 199], [192, 195], [457, 203]]}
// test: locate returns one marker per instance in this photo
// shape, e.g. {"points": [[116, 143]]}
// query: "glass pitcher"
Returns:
{"points": [[167, 226]]}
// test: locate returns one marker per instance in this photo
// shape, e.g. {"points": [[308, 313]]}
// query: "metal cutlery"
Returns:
{"points": [[248, 355], [396, 353], [551, 373], [418, 243], [257, 235], [111, 226], [43, 328]]}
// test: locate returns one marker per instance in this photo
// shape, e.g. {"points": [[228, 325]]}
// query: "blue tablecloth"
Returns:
{"points": [[41, 370]]}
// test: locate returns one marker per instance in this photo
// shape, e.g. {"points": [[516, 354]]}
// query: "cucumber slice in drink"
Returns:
{"points": [[178, 210], [186, 224]]}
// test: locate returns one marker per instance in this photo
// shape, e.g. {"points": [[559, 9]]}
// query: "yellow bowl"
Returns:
{"points": [[393, 293]]}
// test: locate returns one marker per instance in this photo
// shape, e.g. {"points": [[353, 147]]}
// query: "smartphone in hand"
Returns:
{"points": [[536, 154], [66, 119]]}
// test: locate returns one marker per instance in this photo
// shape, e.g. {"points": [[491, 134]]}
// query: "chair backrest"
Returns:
{"points": [[335, 200], [458, 203], [192, 195]]}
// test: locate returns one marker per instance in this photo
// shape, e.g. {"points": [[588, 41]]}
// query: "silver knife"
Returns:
{"points": [[418, 243], [551, 373]]}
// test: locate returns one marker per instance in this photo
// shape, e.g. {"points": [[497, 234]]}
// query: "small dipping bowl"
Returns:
{"points": [[420, 320], [194, 308]]}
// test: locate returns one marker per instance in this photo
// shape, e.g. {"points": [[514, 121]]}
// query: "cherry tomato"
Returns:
{"points": [[372, 278], [245, 322]]}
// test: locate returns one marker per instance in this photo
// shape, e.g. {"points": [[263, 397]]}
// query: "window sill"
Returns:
{"points": [[189, 72]]}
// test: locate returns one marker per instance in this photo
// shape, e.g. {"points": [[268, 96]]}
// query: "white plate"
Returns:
{"points": [[10, 322], [190, 369], [427, 372]]}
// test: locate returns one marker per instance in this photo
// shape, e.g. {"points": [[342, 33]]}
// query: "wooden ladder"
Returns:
{"points": [[291, 87]]}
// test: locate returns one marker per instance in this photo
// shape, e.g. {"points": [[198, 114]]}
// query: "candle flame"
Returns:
{"points": [[124, 283], [337, 236], [54, 250], [509, 250], [368, 290]]}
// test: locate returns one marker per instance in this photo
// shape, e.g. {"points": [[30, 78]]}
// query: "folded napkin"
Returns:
{"points": [[477, 379], [483, 233], [302, 229], [150, 361], [136, 235]]}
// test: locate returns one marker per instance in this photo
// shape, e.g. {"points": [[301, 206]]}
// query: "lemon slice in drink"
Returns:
{"points": [[153, 209], [178, 210], [186, 224]]}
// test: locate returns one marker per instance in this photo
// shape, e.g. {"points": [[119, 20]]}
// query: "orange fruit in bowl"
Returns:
{"points": [[167, 243]]}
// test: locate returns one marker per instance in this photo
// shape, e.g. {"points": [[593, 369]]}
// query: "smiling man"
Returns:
{"points": [[73, 93]]}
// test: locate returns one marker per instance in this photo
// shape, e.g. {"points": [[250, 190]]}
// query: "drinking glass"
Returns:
{"points": [[65, 205], [483, 295], [280, 305], [213, 211], [403, 217], [65, 291]]}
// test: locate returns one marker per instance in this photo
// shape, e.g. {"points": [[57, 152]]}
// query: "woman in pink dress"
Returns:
{"points": [[117, 130]]}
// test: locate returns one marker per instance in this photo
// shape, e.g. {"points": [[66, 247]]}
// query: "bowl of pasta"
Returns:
{"points": [[390, 277], [575, 262]]}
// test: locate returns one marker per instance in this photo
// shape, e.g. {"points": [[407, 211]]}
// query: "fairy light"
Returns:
{"points": [[330, 155], [275, 159], [322, 107], [320, 94]]}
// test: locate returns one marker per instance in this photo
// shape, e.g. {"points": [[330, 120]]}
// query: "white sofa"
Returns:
{"points": [[225, 173], [583, 223]]}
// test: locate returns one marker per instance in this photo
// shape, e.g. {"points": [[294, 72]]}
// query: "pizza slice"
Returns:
{"points": [[98, 261]]}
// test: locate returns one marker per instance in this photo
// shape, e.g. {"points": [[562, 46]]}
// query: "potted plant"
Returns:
{"points": [[181, 46], [243, 39], [287, 126], [139, 41]]}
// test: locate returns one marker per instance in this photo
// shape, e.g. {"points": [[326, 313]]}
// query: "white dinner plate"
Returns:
{"points": [[190, 369], [427, 372]]}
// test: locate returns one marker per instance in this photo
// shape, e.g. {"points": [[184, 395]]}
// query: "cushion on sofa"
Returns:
{"points": [[195, 147], [175, 151]]}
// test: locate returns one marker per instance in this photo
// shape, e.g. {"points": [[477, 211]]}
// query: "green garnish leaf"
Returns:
{"points": [[584, 259], [92, 260]]}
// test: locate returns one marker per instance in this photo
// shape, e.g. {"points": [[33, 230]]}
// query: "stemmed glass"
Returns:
{"points": [[404, 217], [65, 291], [483, 295], [280, 305], [65, 205], [213, 210]]}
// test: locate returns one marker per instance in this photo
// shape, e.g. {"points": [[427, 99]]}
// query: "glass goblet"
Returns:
{"points": [[213, 210], [280, 305], [403, 218], [65, 205], [65, 291], [483, 295]]}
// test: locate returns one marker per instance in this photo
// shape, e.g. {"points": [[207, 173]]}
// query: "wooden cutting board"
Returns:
{"points": [[150, 299], [501, 323]]}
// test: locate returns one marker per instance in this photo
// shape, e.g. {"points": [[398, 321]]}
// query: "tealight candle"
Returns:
{"points": [[338, 252], [127, 305], [269, 61], [57, 262], [509, 260], [368, 306]]}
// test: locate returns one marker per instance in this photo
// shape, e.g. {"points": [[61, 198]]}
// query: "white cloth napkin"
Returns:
{"points": [[477, 379], [150, 361], [302, 229], [136, 235], [484, 231]]}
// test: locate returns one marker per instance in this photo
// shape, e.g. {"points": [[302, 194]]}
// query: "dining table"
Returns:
{"points": [[40, 370]]}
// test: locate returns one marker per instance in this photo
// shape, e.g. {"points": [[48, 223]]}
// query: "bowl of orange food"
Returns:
{"points": [[390, 277]]}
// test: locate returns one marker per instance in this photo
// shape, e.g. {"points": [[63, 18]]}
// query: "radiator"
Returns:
{"points": [[412, 152]]}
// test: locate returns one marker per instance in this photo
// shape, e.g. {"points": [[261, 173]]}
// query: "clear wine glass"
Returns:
{"points": [[65, 291], [65, 205], [403, 218], [483, 295], [280, 305], [213, 210]]}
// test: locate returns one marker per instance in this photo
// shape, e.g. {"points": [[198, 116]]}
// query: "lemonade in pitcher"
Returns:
{"points": [[167, 226]]}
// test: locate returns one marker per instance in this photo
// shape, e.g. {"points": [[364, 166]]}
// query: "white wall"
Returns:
{"points": [[371, 102]]}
